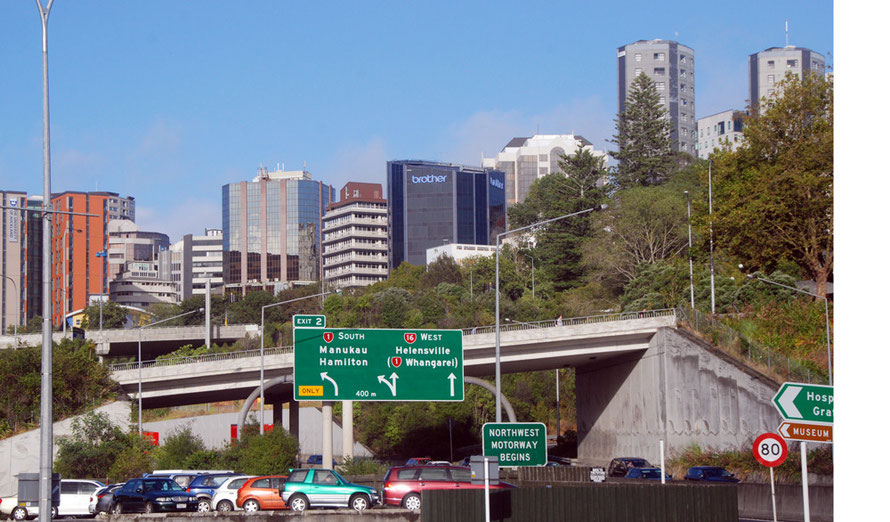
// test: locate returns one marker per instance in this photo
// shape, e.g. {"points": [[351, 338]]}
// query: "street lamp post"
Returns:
{"points": [[827, 320], [497, 302], [104, 255], [689, 224], [533, 273], [262, 350], [140, 355], [18, 312], [508, 320]]}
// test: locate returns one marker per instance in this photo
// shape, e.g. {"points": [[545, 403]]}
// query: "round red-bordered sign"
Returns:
{"points": [[770, 450]]}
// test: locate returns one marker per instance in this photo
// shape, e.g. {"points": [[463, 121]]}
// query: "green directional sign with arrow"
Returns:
{"points": [[338, 364], [805, 402]]}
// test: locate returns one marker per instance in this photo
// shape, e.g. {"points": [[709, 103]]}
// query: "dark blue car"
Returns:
{"points": [[150, 495], [204, 486], [710, 474], [646, 474]]}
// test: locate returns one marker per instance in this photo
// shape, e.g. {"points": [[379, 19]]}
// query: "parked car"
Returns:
{"points": [[402, 484], [619, 466], [148, 495], [7, 504], [225, 497], [308, 488], [261, 493], [203, 487], [646, 473], [74, 500], [710, 474], [317, 461], [100, 501]]}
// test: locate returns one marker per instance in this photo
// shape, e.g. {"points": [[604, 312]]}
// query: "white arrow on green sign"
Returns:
{"points": [[805, 402]]}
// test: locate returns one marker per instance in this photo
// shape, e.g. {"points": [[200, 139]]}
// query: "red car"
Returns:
{"points": [[402, 484]]}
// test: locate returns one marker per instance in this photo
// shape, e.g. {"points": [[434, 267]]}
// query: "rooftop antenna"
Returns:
{"points": [[786, 32]]}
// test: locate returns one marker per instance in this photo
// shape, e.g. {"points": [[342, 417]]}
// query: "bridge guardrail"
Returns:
{"points": [[479, 330]]}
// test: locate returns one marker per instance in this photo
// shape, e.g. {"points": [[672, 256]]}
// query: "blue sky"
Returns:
{"points": [[167, 101]]}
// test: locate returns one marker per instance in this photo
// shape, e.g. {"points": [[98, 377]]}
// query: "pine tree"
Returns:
{"points": [[645, 149]]}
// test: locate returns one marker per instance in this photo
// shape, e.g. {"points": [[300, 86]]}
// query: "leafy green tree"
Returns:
{"points": [[273, 452], [774, 197], [92, 448], [113, 316], [177, 448], [34, 325], [132, 460], [645, 148], [559, 243], [247, 310]]}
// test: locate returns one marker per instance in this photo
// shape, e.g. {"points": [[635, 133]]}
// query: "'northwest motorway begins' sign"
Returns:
{"points": [[515, 443], [805, 402], [333, 364]]}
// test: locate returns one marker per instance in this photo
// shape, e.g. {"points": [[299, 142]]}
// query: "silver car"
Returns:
{"points": [[227, 493]]}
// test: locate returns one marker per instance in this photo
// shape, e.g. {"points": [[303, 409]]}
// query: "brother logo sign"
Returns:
{"points": [[496, 183], [429, 179]]}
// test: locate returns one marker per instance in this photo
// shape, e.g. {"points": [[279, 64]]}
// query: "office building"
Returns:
{"points": [[272, 230], [80, 246], [354, 247], [671, 66], [126, 244], [768, 67], [722, 130], [140, 286], [459, 252], [523, 160], [435, 203], [192, 262], [13, 263]]}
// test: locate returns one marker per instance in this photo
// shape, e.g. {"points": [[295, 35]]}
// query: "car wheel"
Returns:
{"points": [[203, 505], [117, 508], [360, 502], [19, 513], [298, 503], [54, 512], [251, 506], [225, 505], [149, 507], [411, 501]]}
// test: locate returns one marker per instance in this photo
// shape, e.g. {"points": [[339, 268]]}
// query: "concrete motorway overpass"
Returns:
{"points": [[524, 347]]}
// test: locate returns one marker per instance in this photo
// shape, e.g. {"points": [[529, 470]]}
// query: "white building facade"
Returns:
{"points": [[768, 67], [193, 261], [722, 130], [354, 237]]}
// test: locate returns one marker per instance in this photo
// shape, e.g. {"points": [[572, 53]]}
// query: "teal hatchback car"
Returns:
{"points": [[309, 488]]}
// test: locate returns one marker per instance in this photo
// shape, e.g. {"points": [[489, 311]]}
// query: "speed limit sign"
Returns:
{"points": [[770, 450]]}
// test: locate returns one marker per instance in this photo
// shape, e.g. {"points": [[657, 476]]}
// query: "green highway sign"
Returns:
{"points": [[515, 443], [339, 364], [309, 321], [805, 402]]}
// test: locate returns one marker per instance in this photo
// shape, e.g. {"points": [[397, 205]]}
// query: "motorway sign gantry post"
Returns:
{"points": [[805, 402], [806, 432], [337, 364], [515, 443]]}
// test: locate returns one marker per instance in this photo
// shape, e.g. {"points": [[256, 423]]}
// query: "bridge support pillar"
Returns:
{"points": [[293, 419], [327, 434], [277, 413], [347, 430]]}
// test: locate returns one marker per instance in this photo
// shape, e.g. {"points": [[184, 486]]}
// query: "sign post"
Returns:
{"points": [[339, 364], [515, 443], [771, 451]]}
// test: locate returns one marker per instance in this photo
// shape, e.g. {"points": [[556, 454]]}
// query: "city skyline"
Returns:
{"points": [[149, 98]]}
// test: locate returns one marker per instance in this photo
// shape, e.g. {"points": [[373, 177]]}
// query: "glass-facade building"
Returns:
{"points": [[434, 203], [271, 229]]}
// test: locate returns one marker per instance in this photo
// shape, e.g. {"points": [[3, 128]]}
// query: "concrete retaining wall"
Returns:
{"points": [[755, 502], [680, 390]]}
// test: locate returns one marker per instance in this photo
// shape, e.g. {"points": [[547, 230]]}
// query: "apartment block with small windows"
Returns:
{"points": [[769, 67], [671, 66], [354, 243], [722, 130], [193, 262]]}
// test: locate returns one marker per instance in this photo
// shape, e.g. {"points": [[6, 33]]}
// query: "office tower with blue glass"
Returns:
{"points": [[434, 203]]}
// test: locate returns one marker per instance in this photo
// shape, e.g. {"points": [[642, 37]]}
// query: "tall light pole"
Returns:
{"points": [[533, 273], [104, 255], [497, 302], [827, 320], [711, 234], [508, 320], [46, 357], [18, 312], [262, 351], [140, 355], [689, 223]]}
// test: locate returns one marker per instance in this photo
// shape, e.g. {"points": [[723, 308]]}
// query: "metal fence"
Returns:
{"points": [[508, 327], [753, 353]]}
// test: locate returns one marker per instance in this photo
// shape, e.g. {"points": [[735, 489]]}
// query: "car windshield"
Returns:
{"points": [[716, 472], [650, 473], [638, 463], [162, 485]]}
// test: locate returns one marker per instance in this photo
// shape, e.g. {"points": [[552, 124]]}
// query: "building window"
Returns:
{"points": [[659, 86], [684, 131], [682, 87], [771, 79], [682, 73], [792, 63], [771, 92], [638, 57], [682, 58], [682, 116], [658, 57], [771, 64], [637, 72], [659, 71], [683, 101]]}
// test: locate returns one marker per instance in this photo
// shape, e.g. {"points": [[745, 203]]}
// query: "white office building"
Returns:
{"points": [[523, 160], [767, 68], [354, 237], [193, 261], [722, 130]]}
